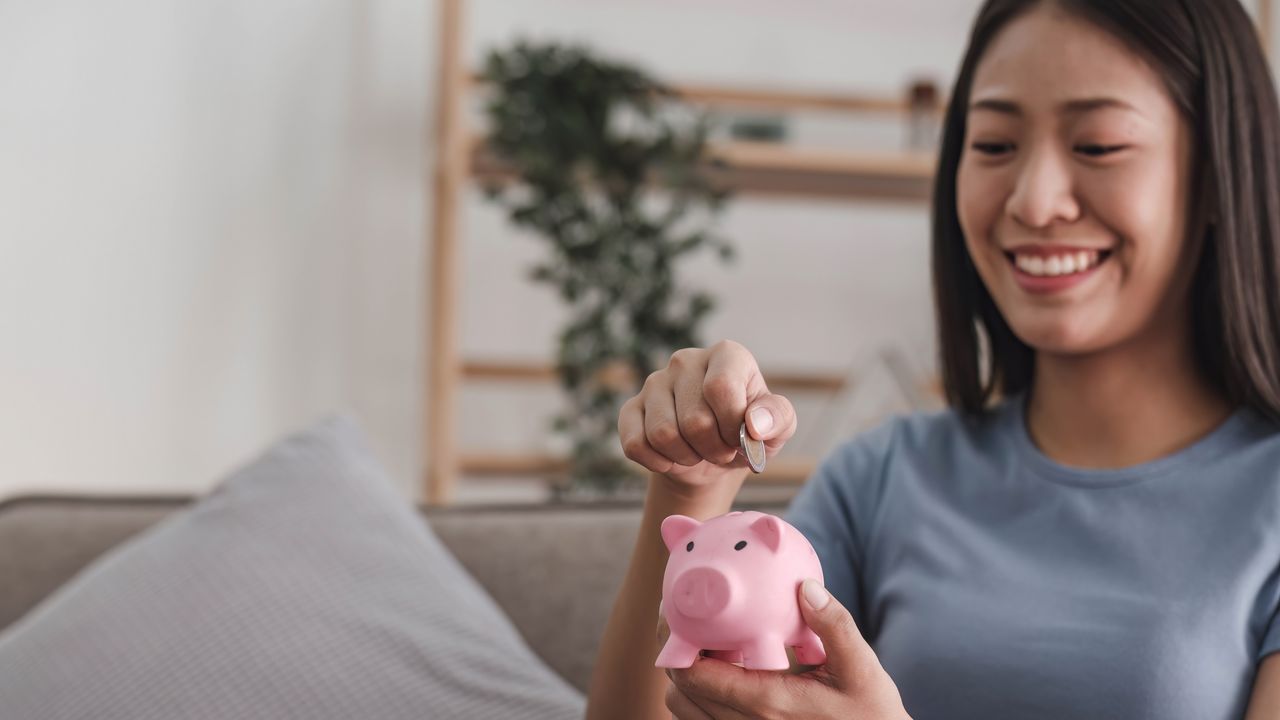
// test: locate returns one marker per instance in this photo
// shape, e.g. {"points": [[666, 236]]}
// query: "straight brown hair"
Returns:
{"points": [[1209, 56]]}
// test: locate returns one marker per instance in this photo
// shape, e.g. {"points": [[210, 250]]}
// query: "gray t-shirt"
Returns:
{"points": [[994, 582]]}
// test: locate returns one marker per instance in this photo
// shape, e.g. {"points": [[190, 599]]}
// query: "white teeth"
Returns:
{"points": [[1055, 265]]}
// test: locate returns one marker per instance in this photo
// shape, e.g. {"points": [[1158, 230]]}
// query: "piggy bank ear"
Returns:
{"points": [[676, 528], [769, 529]]}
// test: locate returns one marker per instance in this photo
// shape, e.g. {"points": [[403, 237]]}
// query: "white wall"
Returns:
{"points": [[212, 220]]}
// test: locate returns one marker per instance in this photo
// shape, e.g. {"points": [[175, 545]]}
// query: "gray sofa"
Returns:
{"points": [[554, 569]]}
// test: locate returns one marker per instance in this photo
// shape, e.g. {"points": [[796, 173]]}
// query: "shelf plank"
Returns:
{"points": [[781, 100], [773, 169], [545, 373], [788, 471], [781, 170]]}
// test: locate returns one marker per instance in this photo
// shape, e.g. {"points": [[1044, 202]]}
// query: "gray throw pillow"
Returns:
{"points": [[302, 586]]}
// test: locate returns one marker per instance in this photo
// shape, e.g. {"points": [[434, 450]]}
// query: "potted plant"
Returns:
{"points": [[602, 162]]}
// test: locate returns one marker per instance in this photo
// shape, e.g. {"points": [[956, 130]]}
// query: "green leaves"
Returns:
{"points": [[607, 173]]}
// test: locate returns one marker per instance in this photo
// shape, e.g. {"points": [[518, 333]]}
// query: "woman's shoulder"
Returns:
{"points": [[868, 451], [935, 430]]}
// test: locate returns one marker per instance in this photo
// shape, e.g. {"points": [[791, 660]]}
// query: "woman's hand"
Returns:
{"points": [[684, 422], [851, 684]]}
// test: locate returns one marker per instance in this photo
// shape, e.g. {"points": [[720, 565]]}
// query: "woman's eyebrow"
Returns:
{"points": [[1070, 107]]}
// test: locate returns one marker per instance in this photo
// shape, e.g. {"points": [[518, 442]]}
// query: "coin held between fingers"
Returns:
{"points": [[752, 449]]}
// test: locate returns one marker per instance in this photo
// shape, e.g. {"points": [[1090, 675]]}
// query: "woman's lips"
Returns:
{"points": [[1047, 284]]}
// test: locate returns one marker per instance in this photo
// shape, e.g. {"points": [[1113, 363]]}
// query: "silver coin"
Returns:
{"points": [[752, 449]]}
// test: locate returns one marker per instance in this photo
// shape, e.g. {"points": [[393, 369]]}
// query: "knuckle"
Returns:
{"points": [[634, 446], [626, 407], [726, 345], [652, 379], [719, 390], [664, 433], [684, 356], [700, 423]]}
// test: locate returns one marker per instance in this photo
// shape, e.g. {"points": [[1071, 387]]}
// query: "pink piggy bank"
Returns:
{"points": [[731, 588]]}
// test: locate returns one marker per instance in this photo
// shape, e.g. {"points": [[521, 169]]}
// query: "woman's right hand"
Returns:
{"points": [[683, 424]]}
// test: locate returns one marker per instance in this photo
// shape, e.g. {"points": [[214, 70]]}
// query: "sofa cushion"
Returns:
{"points": [[302, 586]]}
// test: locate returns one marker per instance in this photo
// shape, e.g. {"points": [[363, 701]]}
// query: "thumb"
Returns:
{"points": [[849, 657], [771, 418]]}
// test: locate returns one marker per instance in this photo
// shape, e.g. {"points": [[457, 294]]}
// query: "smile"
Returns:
{"points": [[1040, 272], [1057, 264]]}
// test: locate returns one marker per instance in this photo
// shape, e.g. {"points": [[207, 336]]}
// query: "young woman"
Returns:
{"points": [[1092, 529]]}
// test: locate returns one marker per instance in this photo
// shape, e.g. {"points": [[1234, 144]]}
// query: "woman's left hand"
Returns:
{"points": [[851, 683]]}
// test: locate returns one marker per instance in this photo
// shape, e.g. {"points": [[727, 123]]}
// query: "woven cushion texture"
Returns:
{"points": [[302, 586]]}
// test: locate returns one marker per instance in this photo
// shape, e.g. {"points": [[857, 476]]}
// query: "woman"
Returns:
{"points": [[1092, 529]]}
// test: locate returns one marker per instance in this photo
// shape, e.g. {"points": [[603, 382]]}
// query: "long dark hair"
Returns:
{"points": [[1216, 72]]}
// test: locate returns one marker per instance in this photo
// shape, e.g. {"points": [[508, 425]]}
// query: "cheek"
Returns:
{"points": [[979, 199], [1144, 207], [968, 201]]}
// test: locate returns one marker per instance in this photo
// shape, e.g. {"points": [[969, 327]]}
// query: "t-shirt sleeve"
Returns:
{"points": [[1270, 640], [836, 508]]}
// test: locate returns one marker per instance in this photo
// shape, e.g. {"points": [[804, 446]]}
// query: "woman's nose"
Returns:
{"points": [[1044, 192]]}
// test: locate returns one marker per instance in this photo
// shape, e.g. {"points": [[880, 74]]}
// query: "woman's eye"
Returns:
{"points": [[1098, 150], [992, 148]]}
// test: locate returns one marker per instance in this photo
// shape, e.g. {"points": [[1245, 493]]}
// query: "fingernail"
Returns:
{"points": [[762, 419], [816, 595]]}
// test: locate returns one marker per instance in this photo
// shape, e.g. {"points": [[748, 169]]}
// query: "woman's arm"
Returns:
{"points": [[625, 684], [1265, 703]]}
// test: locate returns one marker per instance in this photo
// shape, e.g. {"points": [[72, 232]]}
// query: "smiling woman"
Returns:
{"points": [[1145, 135], [1090, 530]]}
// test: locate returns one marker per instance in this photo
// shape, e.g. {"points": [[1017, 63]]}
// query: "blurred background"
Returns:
{"points": [[222, 221]]}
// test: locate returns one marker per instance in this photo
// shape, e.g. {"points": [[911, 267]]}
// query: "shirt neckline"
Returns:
{"points": [[1221, 438]]}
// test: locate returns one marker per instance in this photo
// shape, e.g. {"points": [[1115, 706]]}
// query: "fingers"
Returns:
{"points": [[731, 380], [691, 411], [635, 443], [700, 424], [736, 390], [725, 684], [662, 422], [682, 707], [849, 658]]}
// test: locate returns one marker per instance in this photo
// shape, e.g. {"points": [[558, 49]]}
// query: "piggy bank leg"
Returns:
{"points": [[809, 650], [677, 653], [767, 652]]}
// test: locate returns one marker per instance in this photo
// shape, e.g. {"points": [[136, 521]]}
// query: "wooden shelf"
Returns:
{"points": [[778, 169], [545, 372], [773, 169], [749, 168], [779, 471], [721, 96]]}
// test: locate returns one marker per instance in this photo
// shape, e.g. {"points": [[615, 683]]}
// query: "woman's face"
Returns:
{"points": [[1073, 186]]}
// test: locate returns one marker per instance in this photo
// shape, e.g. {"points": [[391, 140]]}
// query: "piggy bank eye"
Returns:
{"points": [[741, 544], [689, 547]]}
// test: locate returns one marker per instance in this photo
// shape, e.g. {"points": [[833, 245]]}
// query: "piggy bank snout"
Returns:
{"points": [[701, 592]]}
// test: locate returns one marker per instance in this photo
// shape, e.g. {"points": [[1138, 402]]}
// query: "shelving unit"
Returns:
{"points": [[748, 168]]}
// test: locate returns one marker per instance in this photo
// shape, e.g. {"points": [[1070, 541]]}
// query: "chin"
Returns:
{"points": [[1058, 335]]}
